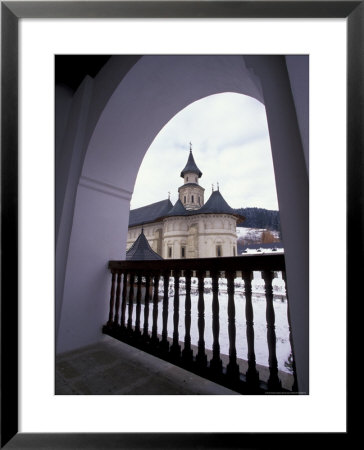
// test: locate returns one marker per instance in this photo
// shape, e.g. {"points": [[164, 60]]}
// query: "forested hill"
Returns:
{"points": [[259, 218]]}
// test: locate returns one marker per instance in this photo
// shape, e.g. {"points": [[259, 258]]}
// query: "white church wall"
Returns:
{"points": [[176, 233], [150, 231], [190, 177], [190, 193]]}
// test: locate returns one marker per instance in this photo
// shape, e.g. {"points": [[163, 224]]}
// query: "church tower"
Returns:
{"points": [[191, 194]]}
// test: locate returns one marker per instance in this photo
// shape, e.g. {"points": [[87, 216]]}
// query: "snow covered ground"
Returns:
{"points": [[253, 233], [244, 231], [283, 348]]}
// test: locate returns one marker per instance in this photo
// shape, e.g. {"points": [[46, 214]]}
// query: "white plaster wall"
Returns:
{"points": [[175, 234], [188, 191], [70, 151], [128, 94], [87, 288], [293, 197], [298, 71], [76, 119], [191, 178], [210, 228]]}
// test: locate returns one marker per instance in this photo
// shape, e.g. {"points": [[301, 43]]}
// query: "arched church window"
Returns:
{"points": [[191, 198]]}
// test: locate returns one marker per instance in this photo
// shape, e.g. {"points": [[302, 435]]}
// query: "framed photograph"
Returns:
{"points": [[32, 33]]}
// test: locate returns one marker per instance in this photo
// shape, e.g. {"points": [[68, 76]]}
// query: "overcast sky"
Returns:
{"points": [[230, 144]]}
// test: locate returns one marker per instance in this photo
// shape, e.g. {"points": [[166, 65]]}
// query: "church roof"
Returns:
{"points": [[149, 213], [141, 250], [216, 204], [191, 167], [177, 210]]}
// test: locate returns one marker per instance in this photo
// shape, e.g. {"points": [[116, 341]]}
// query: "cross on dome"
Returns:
{"points": [[191, 165]]}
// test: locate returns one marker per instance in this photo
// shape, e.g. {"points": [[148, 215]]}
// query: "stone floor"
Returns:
{"points": [[111, 367]]}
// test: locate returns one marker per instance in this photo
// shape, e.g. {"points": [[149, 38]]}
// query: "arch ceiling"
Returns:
{"points": [[154, 90]]}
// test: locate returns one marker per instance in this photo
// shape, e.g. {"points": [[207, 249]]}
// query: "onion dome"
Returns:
{"points": [[191, 167]]}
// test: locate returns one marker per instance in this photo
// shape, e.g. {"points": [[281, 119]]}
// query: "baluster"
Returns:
{"points": [[295, 384], [274, 383], [146, 307], [176, 348], [165, 343], [123, 302], [215, 363], [118, 289], [112, 300], [138, 305], [155, 339], [131, 300], [187, 354], [232, 369], [252, 375], [201, 358]]}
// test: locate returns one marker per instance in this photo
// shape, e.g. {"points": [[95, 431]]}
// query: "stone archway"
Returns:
{"points": [[119, 114]]}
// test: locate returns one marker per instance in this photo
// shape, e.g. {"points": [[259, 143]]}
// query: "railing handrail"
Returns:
{"points": [[221, 264], [151, 273]]}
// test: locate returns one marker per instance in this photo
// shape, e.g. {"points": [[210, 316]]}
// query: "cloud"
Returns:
{"points": [[230, 143]]}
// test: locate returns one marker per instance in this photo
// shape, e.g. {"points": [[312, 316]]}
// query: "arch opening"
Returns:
{"points": [[229, 137]]}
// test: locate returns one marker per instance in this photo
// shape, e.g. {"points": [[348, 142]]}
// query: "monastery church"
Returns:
{"points": [[189, 229]]}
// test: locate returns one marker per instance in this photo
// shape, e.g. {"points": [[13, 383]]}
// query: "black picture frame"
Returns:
{"points": [[11, 12]]}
